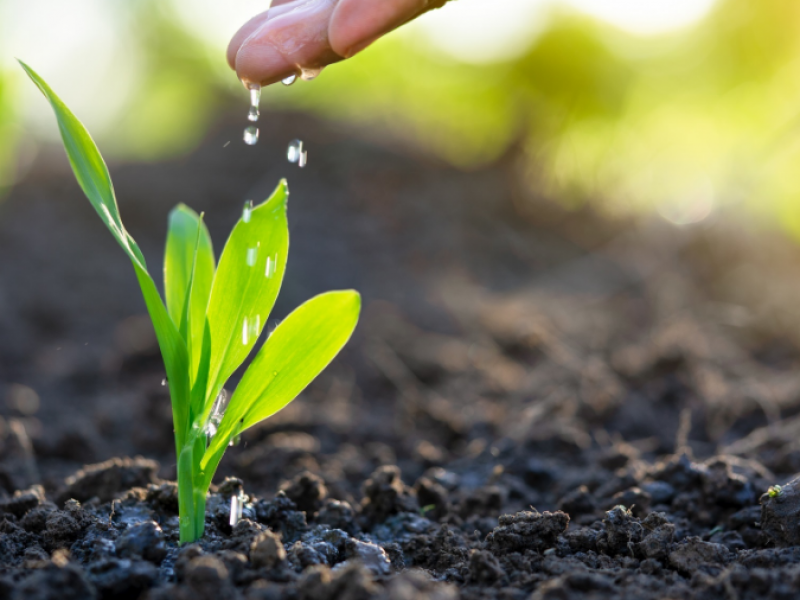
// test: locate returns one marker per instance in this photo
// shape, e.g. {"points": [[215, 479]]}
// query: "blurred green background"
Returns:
{"points": [[683, 107]]}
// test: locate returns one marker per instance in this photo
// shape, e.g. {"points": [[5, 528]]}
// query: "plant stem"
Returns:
{"points": [[192, 490], [186, 497], [199, 491]]}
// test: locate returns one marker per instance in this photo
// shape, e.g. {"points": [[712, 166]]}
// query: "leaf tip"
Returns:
{"points": [[25, 67], [351, 296]]}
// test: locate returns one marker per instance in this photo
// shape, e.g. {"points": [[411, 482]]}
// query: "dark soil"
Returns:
{"points": [[538, 403]]}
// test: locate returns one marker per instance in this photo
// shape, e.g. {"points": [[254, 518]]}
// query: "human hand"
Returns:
{"points": [[308, 34]]}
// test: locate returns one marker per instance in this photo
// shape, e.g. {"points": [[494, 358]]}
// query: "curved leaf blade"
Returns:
{"points": [[173, 351], [245, 287], [89, 167], [92, 174], [188, 274], [297, 351]]}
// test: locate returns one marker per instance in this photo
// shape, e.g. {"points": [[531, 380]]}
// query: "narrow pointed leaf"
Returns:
{"points": [[88, 165], [93, 177], [297, 351], [245, 287], [188, 275]]}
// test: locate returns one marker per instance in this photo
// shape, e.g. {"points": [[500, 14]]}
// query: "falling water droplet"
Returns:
{"points": [[255, 101], [164, 381], [310, 74], [245, 332], [294, 151], [250, 135], [289, 80], [237, 504], [301, 162], [247, 211], [252, 255]]}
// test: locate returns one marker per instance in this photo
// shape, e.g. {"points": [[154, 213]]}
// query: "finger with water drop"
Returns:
{"points": [[294, 36], [284, 41]]}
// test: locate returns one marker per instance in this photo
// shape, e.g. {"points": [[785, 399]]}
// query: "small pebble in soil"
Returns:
{"points": [[267, 550], [145, 540]]}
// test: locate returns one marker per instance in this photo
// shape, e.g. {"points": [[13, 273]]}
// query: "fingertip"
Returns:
{"points": [[294, 37], [245, 31], [262, 64], [355, 24]]}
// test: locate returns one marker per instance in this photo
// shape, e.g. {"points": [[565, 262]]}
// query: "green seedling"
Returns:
{"points": [[214, 314], [774, 491], [426, 509]]}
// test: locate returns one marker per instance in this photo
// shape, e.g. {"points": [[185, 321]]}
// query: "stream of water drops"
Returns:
{"points": [[251, 131]]}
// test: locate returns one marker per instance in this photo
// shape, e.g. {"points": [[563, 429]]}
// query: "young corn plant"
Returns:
{"points": [[214, 314]]}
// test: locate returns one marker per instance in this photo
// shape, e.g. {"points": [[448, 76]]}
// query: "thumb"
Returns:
{"points": [[355, 24]]}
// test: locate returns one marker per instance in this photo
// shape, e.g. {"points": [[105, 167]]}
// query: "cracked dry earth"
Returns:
{"points": [[538, 404]]}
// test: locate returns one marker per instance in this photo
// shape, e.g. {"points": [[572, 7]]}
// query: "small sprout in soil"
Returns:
{"points": [[426, 509], [213, 315], [774, 491]]}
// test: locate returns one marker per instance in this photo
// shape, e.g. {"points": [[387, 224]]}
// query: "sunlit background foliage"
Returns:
{"points": [[682, 107]]}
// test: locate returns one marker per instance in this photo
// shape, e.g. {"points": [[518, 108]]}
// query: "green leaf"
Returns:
{"points": [[297, 351], [89, 167], [246, 284], [188, 275], [92, 175]]}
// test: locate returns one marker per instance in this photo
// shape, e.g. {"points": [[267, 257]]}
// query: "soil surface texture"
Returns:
{"points": [[538, 403]]}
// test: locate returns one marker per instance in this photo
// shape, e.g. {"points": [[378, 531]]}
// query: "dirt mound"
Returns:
{"points": [[537, 403]]}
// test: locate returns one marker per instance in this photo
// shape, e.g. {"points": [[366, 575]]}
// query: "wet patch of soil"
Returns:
{"points": [[538, 403]]}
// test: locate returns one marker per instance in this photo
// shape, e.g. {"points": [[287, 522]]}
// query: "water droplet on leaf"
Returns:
{"points": [[252, 255], [215, 418], [247, 211], [272, 263], [237, 434]]}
